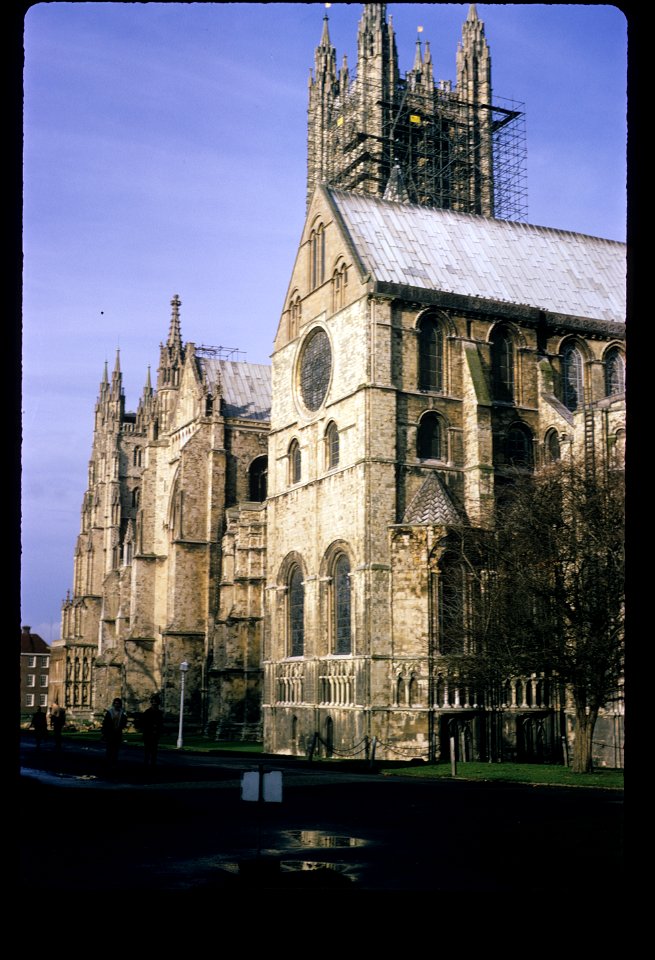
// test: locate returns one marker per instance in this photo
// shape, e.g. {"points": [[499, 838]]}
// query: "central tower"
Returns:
{"points": [[407, 137]]}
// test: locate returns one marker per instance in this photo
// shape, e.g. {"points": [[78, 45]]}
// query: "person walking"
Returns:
{"points": [[57, 721], [40, 726], [152, 727], [113, 724]]}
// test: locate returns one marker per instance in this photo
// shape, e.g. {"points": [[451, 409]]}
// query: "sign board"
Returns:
{"points": [[266, 787]]}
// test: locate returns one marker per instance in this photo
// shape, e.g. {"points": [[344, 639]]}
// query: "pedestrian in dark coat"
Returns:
{"points": [[113, 724], [152, 725], [57, 721], [40, 726]]}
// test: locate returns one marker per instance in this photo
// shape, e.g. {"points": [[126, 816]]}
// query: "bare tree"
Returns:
{"points": [[549, 593]]}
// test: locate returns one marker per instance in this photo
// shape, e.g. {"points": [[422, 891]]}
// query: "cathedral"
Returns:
{"points": [[281, 533]]}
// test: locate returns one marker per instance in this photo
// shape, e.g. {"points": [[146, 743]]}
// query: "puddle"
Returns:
{"points": [[320, 839]]}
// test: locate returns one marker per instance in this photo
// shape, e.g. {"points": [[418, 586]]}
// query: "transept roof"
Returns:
{"points": [[501, 260]]}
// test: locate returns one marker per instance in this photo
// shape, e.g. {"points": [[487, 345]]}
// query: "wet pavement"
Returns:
{"points": [[184, 829]]}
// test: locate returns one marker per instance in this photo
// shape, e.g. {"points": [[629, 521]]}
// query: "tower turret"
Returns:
{"points": [[474, 94], [171, 359]]}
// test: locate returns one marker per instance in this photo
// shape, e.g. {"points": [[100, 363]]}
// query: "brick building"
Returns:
{"points": [[34, 672]]}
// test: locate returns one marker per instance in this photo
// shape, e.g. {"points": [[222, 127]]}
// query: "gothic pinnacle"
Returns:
{"points": [[325, 36], [174, 333]]}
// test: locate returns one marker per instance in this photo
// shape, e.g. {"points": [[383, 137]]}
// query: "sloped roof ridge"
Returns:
{"points": [[471, 217]]}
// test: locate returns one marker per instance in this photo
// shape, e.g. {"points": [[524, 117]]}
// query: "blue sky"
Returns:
{"points": [[165, 152]]}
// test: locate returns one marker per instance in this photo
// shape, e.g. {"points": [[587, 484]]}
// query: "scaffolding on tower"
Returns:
{"points": [[451, 153]]}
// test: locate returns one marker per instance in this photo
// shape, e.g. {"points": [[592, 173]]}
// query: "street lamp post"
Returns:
{"points": [[184, 666]]}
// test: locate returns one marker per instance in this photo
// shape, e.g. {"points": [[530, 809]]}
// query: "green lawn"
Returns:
{"points": [[514, 772]]}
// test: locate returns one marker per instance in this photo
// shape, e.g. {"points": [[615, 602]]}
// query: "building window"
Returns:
{"points": [[614, 372], [332, 446], [315, 369], [552, 451], [518, 446], [339, 284], [341, 605], [295, 462], [43, 680], [431, 349], [317, 256], [572, 385], [45, 661], [295, 313], [31, 680], [43, 699], [502, 364], [257, 479], [31, 661], [136, 497], [138, 456], [429, 438], [296, 613], [29, 700]]}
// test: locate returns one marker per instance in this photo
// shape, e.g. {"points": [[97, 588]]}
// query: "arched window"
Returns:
{"points": [[317, 256], [332, 446], [552, 451], [572, 382], [430, 353], [257, 479], [295, 313], [429, 438], [614, 372], [295, 463], [341, 605], [296, 612], [339, 284], [518, 446], [137, 457], [136, 497], [502, 364]]}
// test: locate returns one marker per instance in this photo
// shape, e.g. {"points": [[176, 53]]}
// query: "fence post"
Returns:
{"points": [[453, 757]]}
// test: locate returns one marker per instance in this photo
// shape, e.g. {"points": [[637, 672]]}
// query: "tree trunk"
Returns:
{"points": [[584, 733]]}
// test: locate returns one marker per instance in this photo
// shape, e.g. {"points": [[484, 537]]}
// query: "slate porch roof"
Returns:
{"points": [[245, 388], [432, 504]]}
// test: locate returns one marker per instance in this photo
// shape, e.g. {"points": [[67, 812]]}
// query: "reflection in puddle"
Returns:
{"points": [[316, 838]]}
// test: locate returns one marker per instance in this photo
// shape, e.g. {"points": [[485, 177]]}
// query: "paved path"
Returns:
{"points": [[185, 831]]}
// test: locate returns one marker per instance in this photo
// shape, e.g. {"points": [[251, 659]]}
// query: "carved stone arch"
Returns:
{"points": [[258, 478], [336, 599], [574, 340], [291, 613], [552, 445], [432, 433], [293, 558], [175, 517], [574, 358], [434, 329], [519, 445], [438, 315], [294, 313], [614, 363]]}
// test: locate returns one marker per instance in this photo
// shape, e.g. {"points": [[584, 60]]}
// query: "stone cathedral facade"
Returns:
{"points": [[284, 530]]}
